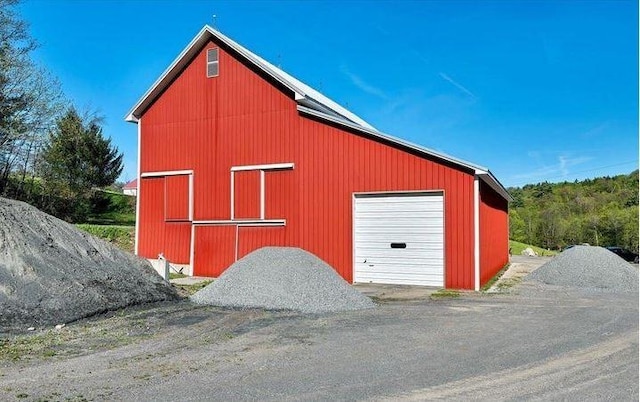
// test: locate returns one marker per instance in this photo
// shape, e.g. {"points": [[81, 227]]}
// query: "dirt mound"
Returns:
{"points": [[52, 273], [588, 267], [282, 278]]}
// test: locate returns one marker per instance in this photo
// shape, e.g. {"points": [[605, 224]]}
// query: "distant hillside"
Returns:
{"points": [[601, 211]]}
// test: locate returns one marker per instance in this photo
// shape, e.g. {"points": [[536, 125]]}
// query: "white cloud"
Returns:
{"points": [[457, 85], [364, 86], [559, 170]]}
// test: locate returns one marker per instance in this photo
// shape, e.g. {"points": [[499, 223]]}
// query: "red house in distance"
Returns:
{"points": [[235, 154]]}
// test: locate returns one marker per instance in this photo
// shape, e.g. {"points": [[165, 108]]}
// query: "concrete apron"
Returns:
{"points": [[520, 267]]}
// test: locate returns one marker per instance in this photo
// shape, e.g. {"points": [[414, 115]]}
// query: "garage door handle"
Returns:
{"points": [[398, 245]]}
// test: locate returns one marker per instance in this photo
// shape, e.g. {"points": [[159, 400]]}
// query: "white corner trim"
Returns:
{"points": [[235, 257], [233, 198], [262, 194], [476, 233], [137, 234], [272, 166], [191, 200], [192, 247]]}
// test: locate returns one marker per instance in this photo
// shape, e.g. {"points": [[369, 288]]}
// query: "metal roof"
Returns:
{"points": [[310, 101]]}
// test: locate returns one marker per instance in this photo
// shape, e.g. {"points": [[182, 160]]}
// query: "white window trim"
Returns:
{"points": [[272, 166], [217, 61], [262, 169], [242, 222], [165, 173]]}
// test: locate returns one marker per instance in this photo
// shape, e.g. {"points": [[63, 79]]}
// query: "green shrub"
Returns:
{"points": [[121, 236]]}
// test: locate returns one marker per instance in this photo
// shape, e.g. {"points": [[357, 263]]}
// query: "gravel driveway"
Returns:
{"points": [[536, 342]]}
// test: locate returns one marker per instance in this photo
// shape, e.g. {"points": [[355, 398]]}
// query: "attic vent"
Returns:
{"points": [[212, 62]]}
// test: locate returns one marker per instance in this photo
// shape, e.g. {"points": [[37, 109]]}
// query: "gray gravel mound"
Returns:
{"points": [[588, 267], [53, 273], [282, 278]]}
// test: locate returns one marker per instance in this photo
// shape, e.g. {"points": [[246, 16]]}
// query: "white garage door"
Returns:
{"points": [[399, 239]]}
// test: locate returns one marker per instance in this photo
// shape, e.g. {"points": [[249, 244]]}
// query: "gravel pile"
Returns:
{"points": [[282, 278], [53, 273], [588, 267]]}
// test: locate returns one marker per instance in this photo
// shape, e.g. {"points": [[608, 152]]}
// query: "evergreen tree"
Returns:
{"points": [[77, 159]]}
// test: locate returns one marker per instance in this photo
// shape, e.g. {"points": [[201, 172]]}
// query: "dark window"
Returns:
{"points": [[212, 62]]}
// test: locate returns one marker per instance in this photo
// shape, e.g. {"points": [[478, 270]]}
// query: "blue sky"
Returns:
{"points": [[534, 90]]}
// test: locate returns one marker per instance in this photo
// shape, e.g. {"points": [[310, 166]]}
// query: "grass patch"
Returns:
{"points": [[121, 236], [31, 346], [516, 249], [188, 290], [113, 209], [495, 278], [445, 294], [176, 275], [509, 283]]}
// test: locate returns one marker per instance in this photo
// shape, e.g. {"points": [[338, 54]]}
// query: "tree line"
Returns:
{"points": [[51, 156], [602, 211]]}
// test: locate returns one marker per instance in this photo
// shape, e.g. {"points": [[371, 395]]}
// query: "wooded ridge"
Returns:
{"points": [[602, 211]]}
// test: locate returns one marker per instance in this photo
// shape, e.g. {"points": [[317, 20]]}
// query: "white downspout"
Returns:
{"points": [[476, 232], [139, 123]]}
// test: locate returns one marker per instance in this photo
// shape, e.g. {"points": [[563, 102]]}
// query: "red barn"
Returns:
{"points": [[235, 154]]}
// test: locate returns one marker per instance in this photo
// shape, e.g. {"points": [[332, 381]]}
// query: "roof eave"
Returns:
{"points": [[495, 184]]}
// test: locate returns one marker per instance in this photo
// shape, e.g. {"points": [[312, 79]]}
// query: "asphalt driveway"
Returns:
{"points": [[533, 343]]}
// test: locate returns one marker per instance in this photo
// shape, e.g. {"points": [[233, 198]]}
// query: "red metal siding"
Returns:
{"points": [[211, 124], [281, 194], [253, 238], [177, 242], [247, 194], [176, 198], [238, 118], [494, 233], [151, 226], [214, 249], [172, 239], [333, 164]]}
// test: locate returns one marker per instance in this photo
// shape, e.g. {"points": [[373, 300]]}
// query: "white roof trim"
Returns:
{"points": [[480, 171], [302, 92]]}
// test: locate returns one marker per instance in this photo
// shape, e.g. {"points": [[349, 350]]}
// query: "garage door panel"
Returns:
{"points": [[393, 235], [403, 279], [415, 225], [383, 244], [368, 214], [414, 270], [417, 220], [418, 255], [409, 274]]}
